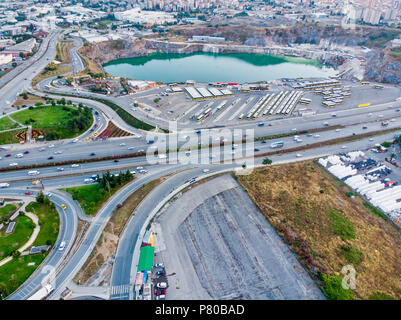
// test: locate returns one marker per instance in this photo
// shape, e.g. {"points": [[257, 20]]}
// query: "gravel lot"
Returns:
{"points": [[216, 244]]}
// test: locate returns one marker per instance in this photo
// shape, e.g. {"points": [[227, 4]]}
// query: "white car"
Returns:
{"points": [[299, 155], [14, 164], [122, 144], [131, 148], [344, 147], [294, 129], [143, 171], [74, 165], [205, 170], [161, 285], [60, 169], [371, 139], [317, 135], [52, 146], [338, 130], [139, 168], [370, 114], [19, 155], [162, 156], [62, 246], [58, 152], [42, 149], [75, 140]]}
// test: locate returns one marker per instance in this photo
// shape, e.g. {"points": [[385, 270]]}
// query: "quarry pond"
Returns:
{"points": [[211, 67]]}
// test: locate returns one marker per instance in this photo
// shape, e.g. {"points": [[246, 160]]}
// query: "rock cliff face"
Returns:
{"points": [[382, 67]]}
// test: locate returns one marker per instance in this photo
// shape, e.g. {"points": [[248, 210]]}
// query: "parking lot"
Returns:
{"points": [[277, 102], [372, 174], [215, 244]]}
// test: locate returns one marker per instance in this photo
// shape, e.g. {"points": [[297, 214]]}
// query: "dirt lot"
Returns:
{"points": [[32, 99], [216, 244], [328, 230]]}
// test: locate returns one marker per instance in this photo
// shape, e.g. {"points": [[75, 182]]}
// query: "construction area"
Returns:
{"points": [[215, 244]]}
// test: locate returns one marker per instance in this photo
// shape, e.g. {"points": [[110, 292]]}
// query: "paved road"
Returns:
{"points": [[68, 227], [125, 263], [82, 150], [10, 91]]}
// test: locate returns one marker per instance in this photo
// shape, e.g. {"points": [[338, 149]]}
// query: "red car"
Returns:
{"points": [[8, 155], [28, 193], [160, 292]]}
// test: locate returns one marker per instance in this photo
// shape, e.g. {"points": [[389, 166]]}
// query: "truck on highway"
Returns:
{"points": [[275, 145], [4, 185], [384, 123], [42, 293]]}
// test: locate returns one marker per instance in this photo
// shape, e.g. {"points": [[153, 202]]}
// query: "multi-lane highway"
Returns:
{"points": [[20, 82], [190, 164]]}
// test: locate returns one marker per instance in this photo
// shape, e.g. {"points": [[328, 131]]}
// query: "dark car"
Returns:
{"points": [[50, 158], [26, 152], [8, 155], [92, 154], [160, 272], [264, 141], [256, 149], [160, 292], [24, 106], [116, 160]]}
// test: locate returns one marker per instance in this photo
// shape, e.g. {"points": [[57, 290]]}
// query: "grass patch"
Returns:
{"points": [[126, 116], [56, 122], [90, 197], [315, 225], [9, 137], [340, 225], [333, 288], [375, 211], [14, 240], [107, 243], [7, 210], [6, 124], [49, 222], [16, 272], [352, 254]]}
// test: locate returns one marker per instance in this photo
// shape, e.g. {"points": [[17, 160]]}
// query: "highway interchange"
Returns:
{"points": [[350, 122]]}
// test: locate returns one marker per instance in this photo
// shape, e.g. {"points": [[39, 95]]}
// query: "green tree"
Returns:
{"points": [[40, 197], [267, 161]]}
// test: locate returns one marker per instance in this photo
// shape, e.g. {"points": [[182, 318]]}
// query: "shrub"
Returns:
{"points": [[333, 288]]}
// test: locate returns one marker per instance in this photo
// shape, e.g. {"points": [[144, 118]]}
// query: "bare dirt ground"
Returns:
{"points": [[328, 230]]}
